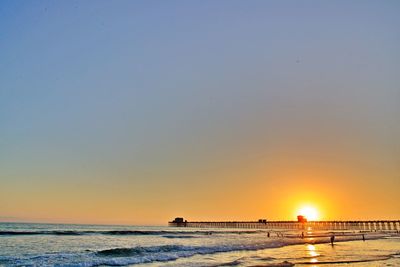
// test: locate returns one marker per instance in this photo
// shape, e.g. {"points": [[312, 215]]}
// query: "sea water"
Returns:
{"points": [[23, 244]]}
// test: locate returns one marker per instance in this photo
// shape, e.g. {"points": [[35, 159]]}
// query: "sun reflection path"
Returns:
{"points": [[312, 253]]}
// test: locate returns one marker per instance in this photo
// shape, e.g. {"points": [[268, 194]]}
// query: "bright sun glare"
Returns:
{"points": [[309, 212]]}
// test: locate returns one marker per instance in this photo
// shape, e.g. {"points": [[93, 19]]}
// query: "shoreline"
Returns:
{"points": [[92, 245]]}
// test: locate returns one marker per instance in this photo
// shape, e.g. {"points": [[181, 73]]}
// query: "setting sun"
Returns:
{"points": [[309, 212]]}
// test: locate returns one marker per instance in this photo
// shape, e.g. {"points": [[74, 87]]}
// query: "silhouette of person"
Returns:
{"points": [[302, 234], [268, 234], [332, 239], [363, 236]]}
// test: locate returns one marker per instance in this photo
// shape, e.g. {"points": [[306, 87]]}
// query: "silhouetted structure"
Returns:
{"points": [[301, 219], [390, 226], [178, 220]]}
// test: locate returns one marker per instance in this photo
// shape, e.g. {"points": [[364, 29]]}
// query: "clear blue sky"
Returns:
{"points": [[154, 106]]}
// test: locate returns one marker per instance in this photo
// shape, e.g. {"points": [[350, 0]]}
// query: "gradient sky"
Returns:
{"points": [[140, 111]]}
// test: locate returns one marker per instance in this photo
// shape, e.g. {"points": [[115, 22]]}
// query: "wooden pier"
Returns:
{"points": [[381, 225]]}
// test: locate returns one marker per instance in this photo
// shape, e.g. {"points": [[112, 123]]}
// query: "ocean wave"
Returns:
{"points": [[172, 252], [12, 233], [231, 263], [127, 252], [122, 232], [122, 256], [349, 261], [279, 264], [152, 254], [179, 236]]}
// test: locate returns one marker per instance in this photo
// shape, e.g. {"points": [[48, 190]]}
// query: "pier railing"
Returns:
{"points": [[384, 225]]}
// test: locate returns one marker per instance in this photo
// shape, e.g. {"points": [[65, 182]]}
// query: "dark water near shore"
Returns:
{"points": [[94, 245]]}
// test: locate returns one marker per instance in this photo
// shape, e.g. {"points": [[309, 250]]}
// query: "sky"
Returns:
{"points": [[137, 112]]}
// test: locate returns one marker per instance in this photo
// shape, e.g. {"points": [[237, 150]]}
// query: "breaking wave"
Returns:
{"points": [[128, 256], [122, 256], [167, 234]]}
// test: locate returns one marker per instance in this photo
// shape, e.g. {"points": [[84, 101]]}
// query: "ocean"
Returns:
{"points": [[26, 244]]}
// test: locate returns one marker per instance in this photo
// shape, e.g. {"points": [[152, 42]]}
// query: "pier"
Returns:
{"points": [[381, 225]]}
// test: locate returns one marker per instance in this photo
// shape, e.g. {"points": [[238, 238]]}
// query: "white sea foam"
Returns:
{"points": [[138, 245], [139, 254]]}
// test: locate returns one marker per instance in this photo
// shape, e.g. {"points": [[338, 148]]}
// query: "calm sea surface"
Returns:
{"points": [[23, 244]]}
